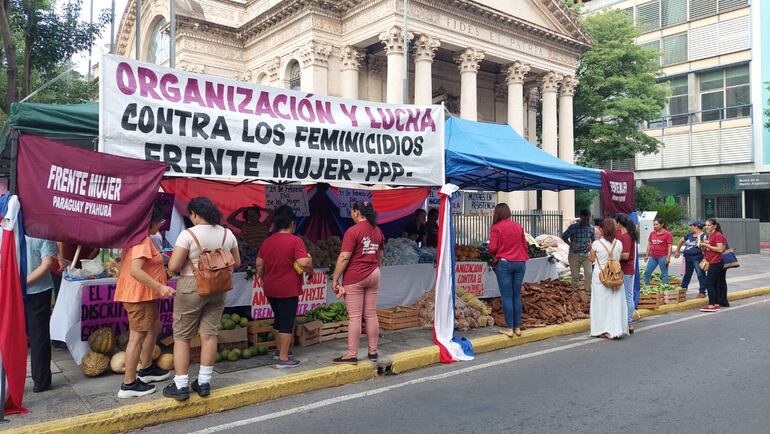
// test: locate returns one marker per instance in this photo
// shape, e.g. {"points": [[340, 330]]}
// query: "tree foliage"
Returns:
{"points": [[618, 90], [647, 198]]}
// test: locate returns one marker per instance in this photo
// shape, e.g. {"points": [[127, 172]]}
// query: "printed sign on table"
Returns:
{"points": [[470, 277], [294, 196], [206, 126], [98, 309], [434, 200], [349, 196], [481, 202], [313, 295]]}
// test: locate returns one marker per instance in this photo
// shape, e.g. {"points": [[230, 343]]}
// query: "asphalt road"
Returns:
{"points": [[680, 373]]}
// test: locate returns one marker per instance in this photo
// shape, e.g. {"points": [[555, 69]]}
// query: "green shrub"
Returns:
{"points": [[647, 198], [670, 213]]}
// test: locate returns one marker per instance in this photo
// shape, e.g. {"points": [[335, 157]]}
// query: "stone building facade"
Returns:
{"points": [[487, 60]]}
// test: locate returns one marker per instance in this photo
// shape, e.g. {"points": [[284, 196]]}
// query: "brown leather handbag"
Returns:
{"points": [[214, 273]]}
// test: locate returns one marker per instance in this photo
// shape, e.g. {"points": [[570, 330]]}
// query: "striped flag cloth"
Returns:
{"points": [[451, 349]]}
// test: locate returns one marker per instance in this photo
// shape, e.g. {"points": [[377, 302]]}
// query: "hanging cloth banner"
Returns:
{"points": [[217, 128], [83, 197], [617, 192]]}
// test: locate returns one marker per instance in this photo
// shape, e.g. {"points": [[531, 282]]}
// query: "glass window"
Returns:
{"points": [[678, 103], [654, 45], [295, 77], [673, 12], [736, 76], [739, 99], [711, 104], [648, 16], [711, 80], [675, 49], [702, 8], [726, 5], [158, 51]]}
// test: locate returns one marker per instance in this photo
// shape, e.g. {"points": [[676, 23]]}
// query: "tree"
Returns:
{"points": [[49, 34], [647, 198], [618, 90]]}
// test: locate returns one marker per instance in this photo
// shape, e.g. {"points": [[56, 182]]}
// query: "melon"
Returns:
{"points": [[118, 362], [122, 341], [94, 364], [101, 340], [166, 361]]}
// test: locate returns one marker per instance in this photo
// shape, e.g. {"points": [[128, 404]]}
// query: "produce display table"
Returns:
{"points": [[538, 269], [69, 308]]}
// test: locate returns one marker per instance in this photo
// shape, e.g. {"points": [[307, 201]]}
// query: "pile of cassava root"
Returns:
{"points": [[546, 303]]}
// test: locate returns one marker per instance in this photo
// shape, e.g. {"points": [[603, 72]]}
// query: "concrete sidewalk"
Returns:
{"points": [[74, 394]]}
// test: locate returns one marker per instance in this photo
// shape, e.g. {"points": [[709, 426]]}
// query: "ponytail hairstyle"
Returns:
{"points": [[367, 210], [660, 222], [715, 223], [623, 220], [158, 214], [206, 209]]}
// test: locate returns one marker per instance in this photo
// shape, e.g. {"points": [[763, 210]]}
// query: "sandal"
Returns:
{"points": [[507, 332], [630, 329], [517, 331]]}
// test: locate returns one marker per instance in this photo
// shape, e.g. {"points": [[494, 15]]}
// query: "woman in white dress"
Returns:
{"points": [[608, 306]]}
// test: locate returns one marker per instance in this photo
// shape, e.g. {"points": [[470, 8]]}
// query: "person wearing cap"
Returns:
{"points": [[692, 256]]}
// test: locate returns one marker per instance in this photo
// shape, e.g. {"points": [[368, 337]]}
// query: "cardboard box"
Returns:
{"points": [[308, 333], [237, 336]]}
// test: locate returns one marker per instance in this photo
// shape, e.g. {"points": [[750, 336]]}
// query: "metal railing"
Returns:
{"points": [[473, 229], [692, 118]]}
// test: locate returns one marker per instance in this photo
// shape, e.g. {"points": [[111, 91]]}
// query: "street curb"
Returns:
{"points": [[145, 414]]}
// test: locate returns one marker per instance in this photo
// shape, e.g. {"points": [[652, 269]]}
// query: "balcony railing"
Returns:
{"points": [[712, 115]]}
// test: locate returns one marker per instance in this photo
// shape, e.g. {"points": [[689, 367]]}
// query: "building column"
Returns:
{"points": [[376, 67], [469, 62], [696, 201], [549, 84], [314, 59], [393, 40], [533, 96], [351, 63], [514, 78], [424, 51], [567, 142]]}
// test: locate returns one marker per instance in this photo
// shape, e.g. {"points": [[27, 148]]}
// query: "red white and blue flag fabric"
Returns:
{"points": [[451, 349], [13, 336]]}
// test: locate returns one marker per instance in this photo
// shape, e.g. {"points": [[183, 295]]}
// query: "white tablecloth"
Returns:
{"points": [[65, 320], [538, 269]]}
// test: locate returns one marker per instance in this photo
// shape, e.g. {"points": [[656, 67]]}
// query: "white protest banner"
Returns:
{"points": [[480, 202], [349, 196], [469, 276], [205, 126], [294, 196], [313, 295]]}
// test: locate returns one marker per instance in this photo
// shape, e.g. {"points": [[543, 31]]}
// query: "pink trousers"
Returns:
{"points": [[361, 301]]}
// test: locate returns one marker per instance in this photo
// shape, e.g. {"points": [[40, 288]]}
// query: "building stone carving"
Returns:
{"points": [[568, 86], [315, 53], [425, 48], [515, 72], [549, 82], [393, 39], [469, 60], [351, 58]]}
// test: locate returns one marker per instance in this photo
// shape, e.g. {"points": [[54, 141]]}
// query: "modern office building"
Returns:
{"points": [[715, 153]]}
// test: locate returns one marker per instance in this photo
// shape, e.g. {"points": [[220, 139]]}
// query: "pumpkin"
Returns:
{"points": [[118, 362], [122, 341], [101, 340], [94, 364], [155, 355], [166, 361]]}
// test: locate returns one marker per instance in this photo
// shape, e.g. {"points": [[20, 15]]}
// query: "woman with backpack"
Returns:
{"points": [[205, 255], [508, 244], [626, 233], [357, 279], [609, 312]]}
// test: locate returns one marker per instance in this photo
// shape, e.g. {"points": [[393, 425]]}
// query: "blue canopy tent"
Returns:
{"points": [[493, 157]]}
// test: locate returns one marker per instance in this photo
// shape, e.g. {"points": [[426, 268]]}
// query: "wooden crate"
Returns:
{"points": [[671, 297], [683, 295], [333, 330], [650, 301], [256, 328], [195, 352], [397, 318]]}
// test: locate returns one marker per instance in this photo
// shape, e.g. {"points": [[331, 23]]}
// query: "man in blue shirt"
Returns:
{"points": [[580, 236], [41, 259], [692, 256]]}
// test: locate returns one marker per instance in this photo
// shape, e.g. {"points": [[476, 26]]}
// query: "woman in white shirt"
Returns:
{"points": [[194, 314]]}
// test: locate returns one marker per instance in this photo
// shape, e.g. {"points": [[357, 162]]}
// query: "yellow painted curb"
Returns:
{"points": [[136, 416], [145, 414]]}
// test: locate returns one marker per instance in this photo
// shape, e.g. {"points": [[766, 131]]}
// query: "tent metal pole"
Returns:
{"points": [[12, 183], [2, 393], [138, 30], [172, 35]]}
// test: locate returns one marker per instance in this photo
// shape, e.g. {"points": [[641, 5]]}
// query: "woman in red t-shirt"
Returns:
{"points": [[658, 251], [715, 279], [509, 245], [628, 236], [359, 267]]}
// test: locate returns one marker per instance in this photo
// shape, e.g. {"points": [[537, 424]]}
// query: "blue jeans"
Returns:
{"points": [[690, 265], [652, 263], [510, 276], [628, 284]]}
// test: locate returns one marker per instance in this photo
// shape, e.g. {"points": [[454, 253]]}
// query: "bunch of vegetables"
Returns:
{"points": [[428, 255], [470, 312], [236, 354], [327, 313], [325, 252], [658, 289], [467, 253], [232, 321], [401, 251], [248, 254], [546, 303]]}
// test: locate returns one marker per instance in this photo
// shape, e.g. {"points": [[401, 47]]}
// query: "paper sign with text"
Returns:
{"points": [[470, 277], [98, 309], [313, 295], [294, 196], [348, 196], [213, 127], [481, 202]]}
